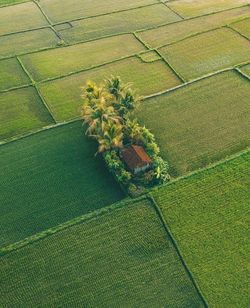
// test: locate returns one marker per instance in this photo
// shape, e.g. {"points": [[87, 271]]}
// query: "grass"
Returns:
{"points": [[64, 95], [49, 178], [22, 112], [125, 252], [197, 125], [73, 9], [15, 44], [191, 8], [20, 17], [246, 70], [11, 2], [61, 61], [243, 27], [207, 52], [208, 216], [12, 74], [127, 21], [171, 33]]}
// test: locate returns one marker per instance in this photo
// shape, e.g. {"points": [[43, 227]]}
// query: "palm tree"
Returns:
{"points": [[112, 137]]}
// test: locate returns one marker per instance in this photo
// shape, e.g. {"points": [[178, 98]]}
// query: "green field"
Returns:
{"points": [[243, 27], [246, 70], [191, 8], [64, 95], [9, 2], [22, 111], [126, 21], [20, 17], [12, 75], [18, 43], [49, 178], [208, 214], [196, 125], [126, 253], [62, 61], [172, 33], [207, 52], [73, 9]]}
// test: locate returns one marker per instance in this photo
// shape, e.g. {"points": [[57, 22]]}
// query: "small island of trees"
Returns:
{"points": [[129, 149]]}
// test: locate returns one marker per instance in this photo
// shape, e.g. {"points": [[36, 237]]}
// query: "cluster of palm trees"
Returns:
{"points": [[105, 111]]}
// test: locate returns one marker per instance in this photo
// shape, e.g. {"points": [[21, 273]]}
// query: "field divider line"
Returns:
{"points": [[242, 73], [13, 4], [176, 246], [236, 31], [16, 88], [172, 10], [181, 78], [192, 18], [104, 14], [24, 31], [37, 89], [70, 223], [47, 19]]}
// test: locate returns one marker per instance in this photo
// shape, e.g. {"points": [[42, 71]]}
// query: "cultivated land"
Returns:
{"points": [[208, 214], [122, 255], [64, 95], [125, 252], [49, 178], [196, 125]]}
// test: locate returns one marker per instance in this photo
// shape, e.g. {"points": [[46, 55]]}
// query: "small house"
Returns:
{"points": [[136, 158]]}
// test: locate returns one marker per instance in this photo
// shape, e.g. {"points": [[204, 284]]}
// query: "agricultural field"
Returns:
{"points": [[70, 235], [125, 252], [208, 215]]}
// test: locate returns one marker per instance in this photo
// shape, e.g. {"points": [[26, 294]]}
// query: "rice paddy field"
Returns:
{"points": [[69, 235]]}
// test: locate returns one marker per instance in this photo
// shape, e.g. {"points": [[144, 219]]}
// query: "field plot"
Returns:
{"points": [[62, 61], [243, 27], [17, 43], [172, 33], [64, 95], [21, 112], [49, 178], [246, 70], [208, 214], [127, 21], [74, 9], [125, 252], [20, 17], [196, 125], [207, 52], [12, 74], [191, 8], [9, 2]]}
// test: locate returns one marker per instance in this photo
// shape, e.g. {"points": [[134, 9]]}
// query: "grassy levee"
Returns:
{"points": [[207, 52], [191, 8], [62, 61], [200, 123], [124, 252], [207, 214], [74, 9], [246, 70], [12, 75], [20, 17], [22, 111], [168, 34], [64, 95], [19, 43], [48, 178], [126, 21], [243, 27]]}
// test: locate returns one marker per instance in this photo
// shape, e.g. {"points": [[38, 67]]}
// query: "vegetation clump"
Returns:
{"points": [[108, 114]]}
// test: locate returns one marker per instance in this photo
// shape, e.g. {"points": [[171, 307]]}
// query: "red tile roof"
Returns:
{"points": [[135, 157]]}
